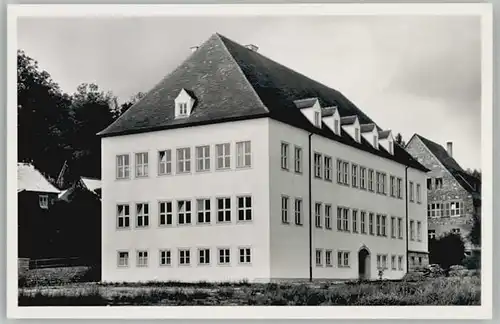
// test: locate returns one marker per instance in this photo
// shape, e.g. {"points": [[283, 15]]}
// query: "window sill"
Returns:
{"points": [[165, 225], [165, 174], [124, 228], [165, 265]]}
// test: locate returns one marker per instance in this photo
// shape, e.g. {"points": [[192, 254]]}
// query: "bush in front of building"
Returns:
{"points": [[447, 250]]}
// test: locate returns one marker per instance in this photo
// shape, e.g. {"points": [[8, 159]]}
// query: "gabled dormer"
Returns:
{"points": [[183, 104], [370, 134], [311, 108], [386, 140], [331, 118], [350, 124]]}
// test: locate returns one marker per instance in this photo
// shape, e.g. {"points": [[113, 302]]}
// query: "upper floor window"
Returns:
{"points": [[223, 156], [317, 120], [298, 159], [370, 223], [391, 147], [419, 231], [244, 208], [356, 134], [375, 141], [434, 210], [379, 182], [354, 220], [243, 154], [298, 211], [123, 216], [370, 179], [317, 214], [203, 158], [393, 227], [336, 126], [285, 152], [141, 164], [122, 166], [184, 160], [412, 230], [345, 171], [363, 222], [204, 211], [328, 216], [393, 186], [399, 189], [328, 168], [165, 213], [164, 162], [400, 228], [224, 209], [362, 177], [284, 209], [317, 165], [183, 109], [429, 184], [383, 190], [456, 209], [43, 201], [184, 212], [439, 183], [354, 175], [142, 212], [418, 194], [142, 258], [411, 192]]}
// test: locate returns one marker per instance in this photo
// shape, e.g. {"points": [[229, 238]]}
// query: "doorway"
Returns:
{"points": [[364, 264]]}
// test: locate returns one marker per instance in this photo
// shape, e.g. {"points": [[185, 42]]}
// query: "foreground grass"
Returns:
{"points": [[432, 291]]}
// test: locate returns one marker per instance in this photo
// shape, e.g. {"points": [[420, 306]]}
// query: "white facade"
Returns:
{"points": [[278, 249]]}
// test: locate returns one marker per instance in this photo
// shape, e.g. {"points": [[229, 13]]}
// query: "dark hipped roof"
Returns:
{"points": [[466, 180], [367, 127], [231, 82]]}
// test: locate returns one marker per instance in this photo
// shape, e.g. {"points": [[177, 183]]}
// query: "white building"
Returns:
{"points": [[235, 167]]}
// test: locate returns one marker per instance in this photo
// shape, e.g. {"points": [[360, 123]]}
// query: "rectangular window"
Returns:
{"points": [[142, 258], [439, 183], [345, 171], [328, 216], [165, 162], [317, 214], [298, 159], [455, 230], [319, 257], [370, 179], [363, 222], [203, 158], [165, 258], [43, 201], [245, 208], [383, 188], [429, 184], [378, 180], [316, 118], [141, 165], [123, 216], [284, 209], [400, 262], [362, 177], [284, 155], [393, 262], [245, 255], [393, 227], [354, 220], [431, 234], [343, 259], [122, 259], [223, 209], [318, 167], [203, 208], [419, 231], [328, 258], [203, 256], [379, 261], [223, 156], [434, 210], [411, 192], [142, 212], [224, 256], [243, 154], [400, 227], [383, 226], [412, 230], [419, 198], [400, 192], [378, 225], [122, 166], [340, 178], [354, 175], [165, 213], [184, 212], [184, 257], [328, 168], [184, 160], [339, 218], [298, 211], [393, 186], [370, 221], [345, 220], [384, 261], [456, 209]]}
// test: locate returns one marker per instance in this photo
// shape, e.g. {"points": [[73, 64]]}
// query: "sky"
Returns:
{"points": [[410, 74]]}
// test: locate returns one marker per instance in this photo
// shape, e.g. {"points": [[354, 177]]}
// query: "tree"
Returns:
{"points": [[126, 105], [399, 140], [474, 172], [447, 250], [475, 233]]}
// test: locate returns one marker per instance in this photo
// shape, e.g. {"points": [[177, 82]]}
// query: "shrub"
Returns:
{"points": [[413, 277]]}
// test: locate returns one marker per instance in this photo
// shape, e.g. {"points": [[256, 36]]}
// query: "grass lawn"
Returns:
{"points": [[430, 291]]}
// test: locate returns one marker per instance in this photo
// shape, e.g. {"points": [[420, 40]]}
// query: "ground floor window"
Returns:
{"points": [[343, 259], [142, 258], [319, 257], [123, 259]]}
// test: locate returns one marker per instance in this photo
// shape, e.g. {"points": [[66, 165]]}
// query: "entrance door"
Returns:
{"points": [[364, 264]]}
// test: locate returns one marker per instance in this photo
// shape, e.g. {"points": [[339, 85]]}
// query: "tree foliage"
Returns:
{"points": [[399, 140], [446, 250], [475, 233]]}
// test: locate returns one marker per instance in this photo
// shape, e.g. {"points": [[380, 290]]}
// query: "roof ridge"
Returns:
{"points": [[221, 38]]}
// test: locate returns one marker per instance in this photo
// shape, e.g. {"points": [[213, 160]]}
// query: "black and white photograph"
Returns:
{"points": [[313, 158]]}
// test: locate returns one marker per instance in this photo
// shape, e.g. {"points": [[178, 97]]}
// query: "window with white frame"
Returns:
{"points": [[223, 156], [339, 218], [182, 109], [142, 258], [318, 165], [165, 213], [455, 230], [412, 197], [412, 230], [383, 226], [356, 134], [184, 257], [456, 209], [319, 257], [165, 257], [285, 155], [224, 256], [345, 219], [393, 262], [383, 182], [184, 160], [393, 186], [204, 256], [400, 184], [244, 208], [165, 162], [285, 200], [122, 166], [122, 216], [431, 234], [336, 126], [328, 216], [434, 210], [400, 228], [317, 214], [142, 213], [141, 164], [340, 178], [354, 175], [203, 158], [184, 212], [379, 261], [317, 119], [393, 227], [354, 220], [43, 201], [298, 211], [204, 210], [370, 179], [328, 168], [243, 154], [343, 259], [245, 255], [345, 171], [419, 198], [419, 231], [328, 258], [378, 223], [223, 209], [400, 262], [379, 182], [122, 259], [362, 178], [298, 159], [384, 261], [371, 225], [363, 222], [375, 141]]}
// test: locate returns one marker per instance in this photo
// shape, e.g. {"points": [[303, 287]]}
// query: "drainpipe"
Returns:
{"points": [[407, 221], [310, 210]]}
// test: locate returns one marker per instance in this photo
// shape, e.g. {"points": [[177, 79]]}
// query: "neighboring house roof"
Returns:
{"points": [[467, 181], [328, 111], [231, 82], [91, 184], [30, 179], [367, 127], [383, 134]]}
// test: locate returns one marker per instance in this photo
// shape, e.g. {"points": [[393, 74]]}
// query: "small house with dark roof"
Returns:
{"points": [[454, 196], [236, 167]]}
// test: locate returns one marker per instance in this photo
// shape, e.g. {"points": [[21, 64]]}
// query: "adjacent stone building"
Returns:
{"points": [[454, 196]]}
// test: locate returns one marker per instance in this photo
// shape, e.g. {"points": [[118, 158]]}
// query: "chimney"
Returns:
{"points": [[252, 47], [449, 148], [194, 48]]}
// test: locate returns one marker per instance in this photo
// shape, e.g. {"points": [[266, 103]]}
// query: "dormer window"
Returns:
{"points": [[336, 126], [375, 141], [183, 104], [391, 147], [356, 134], [316, 118], [183, 109]]}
